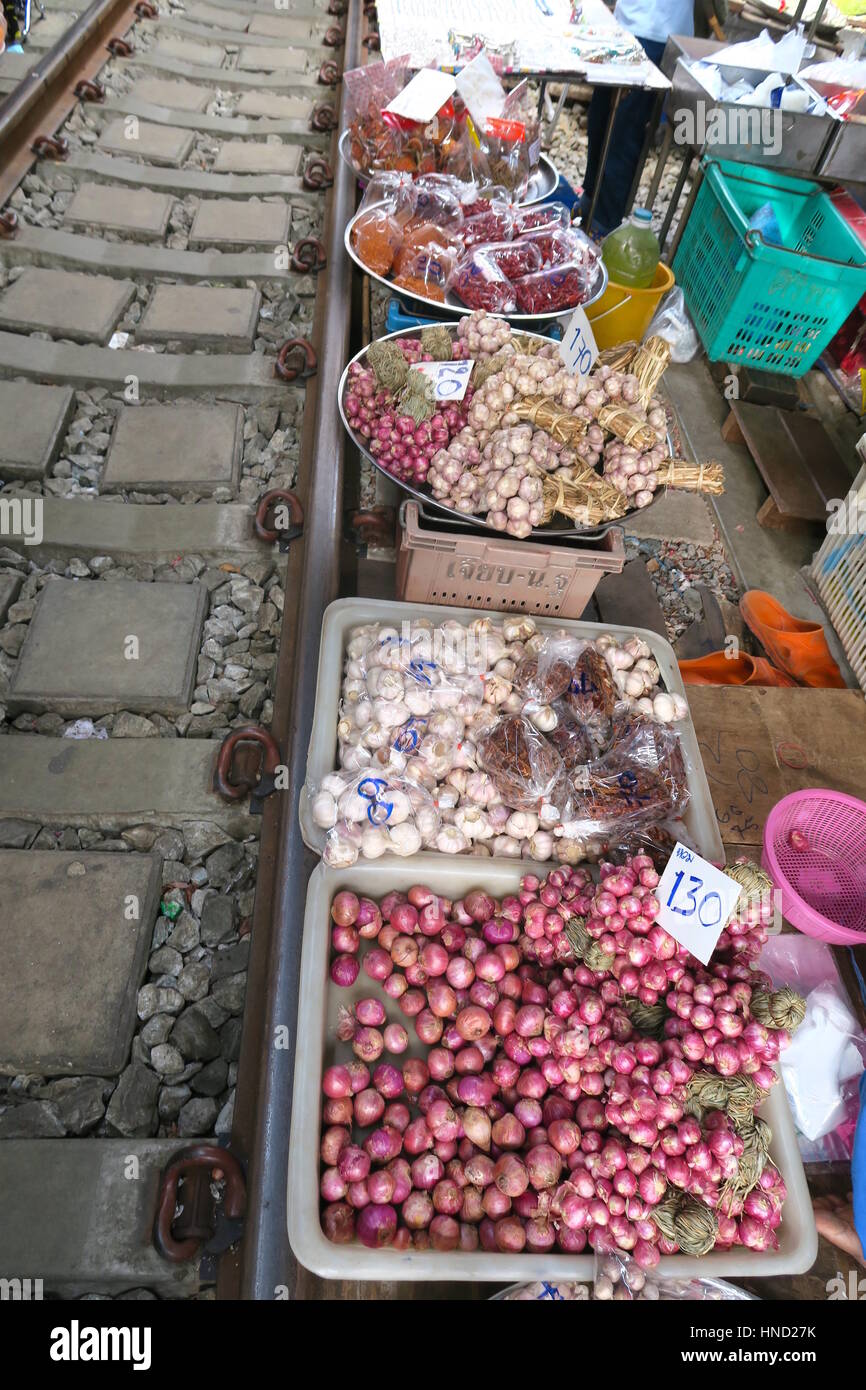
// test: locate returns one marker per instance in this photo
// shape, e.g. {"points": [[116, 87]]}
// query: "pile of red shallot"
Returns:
{"points": [[577, 1078]]}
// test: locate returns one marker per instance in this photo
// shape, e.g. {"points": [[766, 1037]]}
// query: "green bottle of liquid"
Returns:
{"points": [[631, 253]]}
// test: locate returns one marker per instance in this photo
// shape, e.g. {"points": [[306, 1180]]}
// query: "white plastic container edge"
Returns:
{"points": [[345, 614], [319, 1000]]}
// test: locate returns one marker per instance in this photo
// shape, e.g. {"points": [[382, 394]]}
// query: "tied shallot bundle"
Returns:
{"points": [[552, 1100]]}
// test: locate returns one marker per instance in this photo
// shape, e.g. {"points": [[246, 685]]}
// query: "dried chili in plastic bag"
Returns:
{"points": [[480, 284], [526, 770]]}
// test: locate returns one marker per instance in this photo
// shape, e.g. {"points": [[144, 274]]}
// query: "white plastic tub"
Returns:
{"points": [[345, 614], [319, 1048]]}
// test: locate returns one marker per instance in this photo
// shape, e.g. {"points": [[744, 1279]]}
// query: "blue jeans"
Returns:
{"points": [[624, 151]]}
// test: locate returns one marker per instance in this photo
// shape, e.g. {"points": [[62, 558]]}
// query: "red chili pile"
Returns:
{"points": [[585, 1080]]}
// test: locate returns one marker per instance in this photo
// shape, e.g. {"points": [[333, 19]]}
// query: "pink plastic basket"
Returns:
{"points": [[815, 853]]}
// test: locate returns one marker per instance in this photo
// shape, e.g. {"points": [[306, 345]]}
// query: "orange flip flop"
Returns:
{"points": [[719, 669], [797, 646]]}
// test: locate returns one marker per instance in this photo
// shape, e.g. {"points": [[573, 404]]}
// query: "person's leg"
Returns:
{"points": [[596, 124], [626, 144]]}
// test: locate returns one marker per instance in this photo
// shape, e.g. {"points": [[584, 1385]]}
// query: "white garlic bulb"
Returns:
{"points": [[544, 718], [404, 839], [506, 847], [324, 809], [521, 824], [541, 845], [375, 841]]}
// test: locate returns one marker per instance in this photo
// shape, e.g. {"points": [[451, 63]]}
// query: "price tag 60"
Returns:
{"points": [[578, 348], [450, 379], [696, 901]]}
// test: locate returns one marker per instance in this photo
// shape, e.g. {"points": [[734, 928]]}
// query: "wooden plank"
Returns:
{"points": [[795, 457]]}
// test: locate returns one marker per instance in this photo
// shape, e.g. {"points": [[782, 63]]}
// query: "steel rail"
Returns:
{"points": [[262, 1266], [44, 98]]}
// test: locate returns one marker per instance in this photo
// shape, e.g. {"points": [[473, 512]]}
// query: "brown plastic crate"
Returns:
{"points": [[465, 569]]}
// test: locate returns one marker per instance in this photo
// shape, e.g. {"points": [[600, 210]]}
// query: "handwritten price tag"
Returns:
{"points": [[696, 901], [450, 379], [578, 348]]}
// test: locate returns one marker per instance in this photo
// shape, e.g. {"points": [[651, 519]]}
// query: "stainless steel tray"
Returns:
{"points": [[451, 304], [541, 185], [553, 530]]}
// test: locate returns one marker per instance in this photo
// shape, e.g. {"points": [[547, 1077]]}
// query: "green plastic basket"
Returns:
{"points": [[773, 307]]}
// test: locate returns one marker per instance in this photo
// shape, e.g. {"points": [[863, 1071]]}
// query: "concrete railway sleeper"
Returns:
{"points": [[169, 289]]}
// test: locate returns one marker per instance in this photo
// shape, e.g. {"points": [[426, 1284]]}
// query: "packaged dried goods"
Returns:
{"points": [[556, 289], [524, 767], [377, 237], [480, 283], [540, 216]]}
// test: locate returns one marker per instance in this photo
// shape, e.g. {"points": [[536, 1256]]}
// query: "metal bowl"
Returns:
{"points": [[452, 305], [541, 185], [554, 528]]}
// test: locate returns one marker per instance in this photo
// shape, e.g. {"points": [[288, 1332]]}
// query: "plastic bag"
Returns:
{"points": [[524, 767], [495, 223], [671, 321], [377, 237], [507, 151], [592, 694], [513, 258], [619, 1277], [640, 779], [373, 813], [558, 245], [373, 143], [558, 288], [438, 201], [547, 674], [424, 262], [570, 738], [480, 284], [822, 1066], [541, 216]]}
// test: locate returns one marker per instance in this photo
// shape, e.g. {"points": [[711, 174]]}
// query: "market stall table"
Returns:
{"points": [[536, 41]]}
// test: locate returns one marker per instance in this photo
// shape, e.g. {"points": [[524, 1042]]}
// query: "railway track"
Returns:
{"points": [[174, 319]]}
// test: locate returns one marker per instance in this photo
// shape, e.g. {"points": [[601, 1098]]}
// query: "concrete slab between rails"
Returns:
{"points": [[111, 784], [177, 96], [139, 211], [85, 527], [77, 659], [33, 423], [202, 316], [206, 54], [104, 169], [86, 308], [230, 79], [44, 247], [10, 585], [244, 28], [175, 449], [82, 1217], [248, 378], [157, 144], [297, 130], [257, 157], [72, 958]]}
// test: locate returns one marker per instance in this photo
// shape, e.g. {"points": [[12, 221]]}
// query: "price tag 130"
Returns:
{"points": [[578, 348], [450, 379], [696, 900]]}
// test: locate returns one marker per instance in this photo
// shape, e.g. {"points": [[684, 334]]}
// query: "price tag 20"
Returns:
{"points": [[578, 348], [450, 379], [696, 901]]}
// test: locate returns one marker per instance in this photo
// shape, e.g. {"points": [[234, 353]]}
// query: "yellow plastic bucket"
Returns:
{"points": [[623, 314]]}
